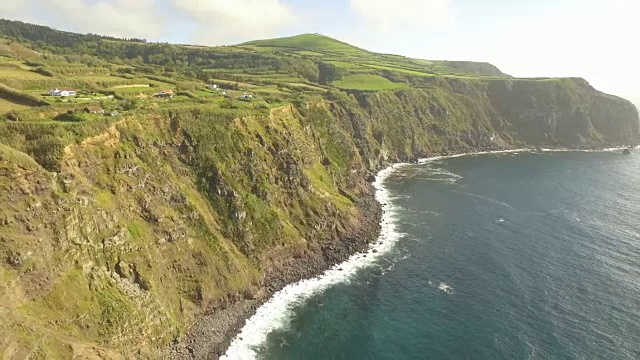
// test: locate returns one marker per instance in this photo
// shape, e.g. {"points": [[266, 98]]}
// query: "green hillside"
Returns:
{"points": [[124, 75], [153, 209], [309, 42]]}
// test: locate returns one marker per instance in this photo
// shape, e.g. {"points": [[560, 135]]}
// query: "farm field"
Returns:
{"points": [[367, 82]]}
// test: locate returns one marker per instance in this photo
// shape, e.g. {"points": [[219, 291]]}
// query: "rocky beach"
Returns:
{"points": [[210, 337]]}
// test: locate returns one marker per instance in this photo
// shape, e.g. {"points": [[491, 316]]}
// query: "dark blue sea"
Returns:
{"points": [[498, 256]]}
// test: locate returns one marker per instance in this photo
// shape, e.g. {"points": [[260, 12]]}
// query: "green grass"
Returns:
{"points": [[367, 82], [19, 158], [306, 86], [20, 73], [406, 71], [6, 106], [272, 90], [345, 65], [17, 50], [132, 86], [309, 42], [309, 53]]}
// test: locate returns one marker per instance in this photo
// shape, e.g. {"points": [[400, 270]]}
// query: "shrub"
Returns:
{"points": [[42, 71], [187, 94], [130, 104], [226, 104]]}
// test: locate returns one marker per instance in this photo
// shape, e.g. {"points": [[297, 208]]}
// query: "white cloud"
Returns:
{"points": [[122, 18], [596, 40], [9, 7], [398, 16], [224, 21], [210, 22]]}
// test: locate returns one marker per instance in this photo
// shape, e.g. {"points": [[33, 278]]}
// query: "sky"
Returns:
{"points": [[594, 39]]}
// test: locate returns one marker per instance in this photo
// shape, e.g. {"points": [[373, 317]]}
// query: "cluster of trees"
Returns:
{"points": [[48, 36], [100, 51]]}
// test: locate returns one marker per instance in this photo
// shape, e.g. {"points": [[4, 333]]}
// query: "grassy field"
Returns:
{"points": [[16, 50], [275, 71], [19, 73], [309, 53], [309, 42], [6, 106], [367, 82], [307, 86], [406, 71]]}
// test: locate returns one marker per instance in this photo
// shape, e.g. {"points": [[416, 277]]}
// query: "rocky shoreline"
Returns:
{"points": [[210, 337]]}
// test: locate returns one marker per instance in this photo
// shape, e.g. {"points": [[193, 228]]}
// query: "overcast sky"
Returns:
{"points": [[594, 39]]}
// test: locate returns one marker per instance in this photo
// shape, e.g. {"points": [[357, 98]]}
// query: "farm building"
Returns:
{"points": [[62, 92], [94, 109], [165, 93], [246, 97]]}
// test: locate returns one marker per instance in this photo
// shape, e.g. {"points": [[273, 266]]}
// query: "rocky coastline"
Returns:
{"points": [[210, 337]]}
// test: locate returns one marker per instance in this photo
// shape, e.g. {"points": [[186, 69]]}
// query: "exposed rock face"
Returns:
{"points": [[167, 216], [567, 112]]}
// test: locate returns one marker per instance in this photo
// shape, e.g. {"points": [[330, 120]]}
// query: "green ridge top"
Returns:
{"points": [[314, 42]]}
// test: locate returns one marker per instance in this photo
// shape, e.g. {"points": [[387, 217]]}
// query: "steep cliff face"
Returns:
{"points": [[167, 214], [151, 223], [565, 112], [455, 115]]}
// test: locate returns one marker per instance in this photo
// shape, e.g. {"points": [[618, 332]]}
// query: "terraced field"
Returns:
{"points": [[367, 82]]}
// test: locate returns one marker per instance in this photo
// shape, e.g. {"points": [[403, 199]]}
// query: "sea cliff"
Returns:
{"points": [[134, 225], [166, 216]]}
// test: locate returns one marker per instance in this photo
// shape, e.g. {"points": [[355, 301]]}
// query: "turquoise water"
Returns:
{"points": [[509, 256]]}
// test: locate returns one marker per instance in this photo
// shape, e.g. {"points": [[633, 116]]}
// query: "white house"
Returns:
{"points": [[212, 87], [62, 92], [246, 96]]}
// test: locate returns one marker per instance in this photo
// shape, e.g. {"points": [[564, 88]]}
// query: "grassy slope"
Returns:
{"points": [[189, 199], [366, 82], [314, 43]]}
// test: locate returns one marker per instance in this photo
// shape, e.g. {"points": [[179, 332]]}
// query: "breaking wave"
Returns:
{"points": [[277, 312]]}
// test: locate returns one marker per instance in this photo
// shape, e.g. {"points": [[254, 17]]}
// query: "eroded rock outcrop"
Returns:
{"points": [[170, 215]]}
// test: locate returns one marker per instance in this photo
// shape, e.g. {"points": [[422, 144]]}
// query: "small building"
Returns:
{"points": [[165, 94], [246, 97], [62, 92], [94, 109], [212, 87]]}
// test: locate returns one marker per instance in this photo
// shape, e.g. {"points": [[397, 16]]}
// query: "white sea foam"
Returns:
{"points": [[523, 150], [436, 158], [276, 313], [439, 174], [445, 288], [486, 199]]}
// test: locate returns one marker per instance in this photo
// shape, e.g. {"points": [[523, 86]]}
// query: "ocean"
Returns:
{"points": [[495, 256]]}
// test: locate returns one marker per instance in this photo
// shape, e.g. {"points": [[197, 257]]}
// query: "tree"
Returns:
{"points": [[130, 104]]}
